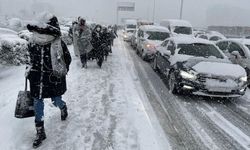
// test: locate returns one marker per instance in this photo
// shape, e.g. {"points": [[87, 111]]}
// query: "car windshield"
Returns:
{"points": [[199, 50], [161, 36], [183, 30], [131, 26]]}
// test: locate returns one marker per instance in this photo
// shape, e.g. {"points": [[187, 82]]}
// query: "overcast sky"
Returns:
{"points": [[198, 12]]}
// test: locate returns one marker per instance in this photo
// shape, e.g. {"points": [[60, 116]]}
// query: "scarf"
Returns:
{"points": [[56, 52]]}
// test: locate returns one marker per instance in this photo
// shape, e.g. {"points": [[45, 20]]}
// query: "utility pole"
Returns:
{"points": [[181, 11], [154, 12]]}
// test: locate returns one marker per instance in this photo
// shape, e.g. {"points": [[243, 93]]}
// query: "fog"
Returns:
{"points": [[199, 12]]}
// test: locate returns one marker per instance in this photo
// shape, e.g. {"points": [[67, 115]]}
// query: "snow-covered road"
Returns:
{"points": [[193, 122], [108, 110], [125, 106]]}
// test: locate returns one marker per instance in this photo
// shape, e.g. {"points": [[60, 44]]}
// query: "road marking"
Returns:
{"points": [[228, 127]]}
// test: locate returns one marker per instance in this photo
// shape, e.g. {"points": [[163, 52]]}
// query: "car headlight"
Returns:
{"points": [[243, 79], [187, 75]]}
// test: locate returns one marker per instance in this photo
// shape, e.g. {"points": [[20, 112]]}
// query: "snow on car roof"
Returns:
{"points": [[189, 40], [238, 40], [154, 28], [181, 23]]}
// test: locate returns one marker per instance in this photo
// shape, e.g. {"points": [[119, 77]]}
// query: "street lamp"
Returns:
{"points": [[181, 9], [154, 12]]}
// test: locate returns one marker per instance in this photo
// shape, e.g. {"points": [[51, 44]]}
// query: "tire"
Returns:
{"points": [[172, 83]]}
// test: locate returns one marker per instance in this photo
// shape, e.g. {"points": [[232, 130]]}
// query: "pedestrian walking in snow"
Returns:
{"points": [[84, 41], [75, 28], [97, 43], [49, 64]]}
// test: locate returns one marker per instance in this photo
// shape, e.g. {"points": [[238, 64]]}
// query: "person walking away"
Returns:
{"points": [[75, 28], [44, 45], [84, 41], [106, 38], [97, 42], [70, 33]]}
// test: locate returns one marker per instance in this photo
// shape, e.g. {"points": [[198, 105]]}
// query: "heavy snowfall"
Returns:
{"points": [[136, 78]]}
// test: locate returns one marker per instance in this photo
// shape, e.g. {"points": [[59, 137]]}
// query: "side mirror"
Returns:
{"points": [[142, 39], [236, 55]]}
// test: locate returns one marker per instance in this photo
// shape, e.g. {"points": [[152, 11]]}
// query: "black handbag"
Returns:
{"points": [[24, 104]]}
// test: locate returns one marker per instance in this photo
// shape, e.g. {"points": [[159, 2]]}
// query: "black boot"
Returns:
{"points": [[64, 113], [40, 136]]}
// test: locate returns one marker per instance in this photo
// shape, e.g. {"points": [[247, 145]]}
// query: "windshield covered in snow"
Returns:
{"points": [[183, 30], [199, 50], [160, 36]]}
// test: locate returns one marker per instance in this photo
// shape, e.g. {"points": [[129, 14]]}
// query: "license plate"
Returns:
{"points": [[220, 89]]}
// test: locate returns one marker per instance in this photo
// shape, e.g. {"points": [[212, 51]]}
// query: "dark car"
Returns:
{"points": [[199, 67]]}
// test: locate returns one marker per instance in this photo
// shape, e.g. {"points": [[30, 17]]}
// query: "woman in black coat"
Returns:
{"points": [[97, 43], [44, 82]]}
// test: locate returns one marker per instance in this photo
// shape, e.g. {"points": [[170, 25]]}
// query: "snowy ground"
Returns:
{"points": [[108, 110], [125, 106]]}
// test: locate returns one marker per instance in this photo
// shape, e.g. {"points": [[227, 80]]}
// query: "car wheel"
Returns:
{"points": [[143, 56], [172, 83]]}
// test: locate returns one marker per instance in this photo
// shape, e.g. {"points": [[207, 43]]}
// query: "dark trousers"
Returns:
{"points": [[84, 58]]}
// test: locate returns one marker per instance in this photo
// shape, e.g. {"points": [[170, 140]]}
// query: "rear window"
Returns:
{"points": [[199, 50], [160, 36], [183, 30], [131, 26]]}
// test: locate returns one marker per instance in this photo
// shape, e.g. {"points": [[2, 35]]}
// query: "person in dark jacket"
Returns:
{"points": [[97, 43], [44, 83]]}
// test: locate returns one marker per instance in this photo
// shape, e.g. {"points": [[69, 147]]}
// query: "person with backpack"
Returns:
{"points": [[49, 64]]}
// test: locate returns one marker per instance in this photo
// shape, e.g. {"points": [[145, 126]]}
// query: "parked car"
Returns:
{"points": [[127, 34], [199, 67], [178, 26], [149, 37], [13, 49], [238, 51], [212, 36]]}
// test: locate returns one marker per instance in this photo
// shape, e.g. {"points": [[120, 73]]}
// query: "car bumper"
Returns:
{"points": [[197, 88]]}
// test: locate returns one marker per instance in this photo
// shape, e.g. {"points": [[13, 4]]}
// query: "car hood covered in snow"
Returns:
{"points": [[215, 67]]}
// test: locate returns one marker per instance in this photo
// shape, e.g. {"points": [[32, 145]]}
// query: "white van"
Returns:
{"points": [[178, 26], [130, 27]]}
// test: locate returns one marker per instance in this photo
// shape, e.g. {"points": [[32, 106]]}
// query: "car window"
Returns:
{"points": [[223, 45], [248, 46], [215, 38], [160, 36], [235, 47], [203, 37], [199, 50], [183, 30]]}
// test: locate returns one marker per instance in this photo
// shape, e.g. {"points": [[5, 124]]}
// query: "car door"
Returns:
{"points": [[165, 55], [140, 40], [160, 54]]}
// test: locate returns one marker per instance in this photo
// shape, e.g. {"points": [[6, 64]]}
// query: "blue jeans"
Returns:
{"points": [[39, 107]]}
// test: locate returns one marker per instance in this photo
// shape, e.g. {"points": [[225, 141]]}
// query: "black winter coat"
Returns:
{"points": [[43, 84]]}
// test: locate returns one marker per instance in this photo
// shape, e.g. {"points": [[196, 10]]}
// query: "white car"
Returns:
{"points": [[197, 66], [13, 49], [212, 36], [238, 51], [149, 36], [127, 34], [177, 27]]}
